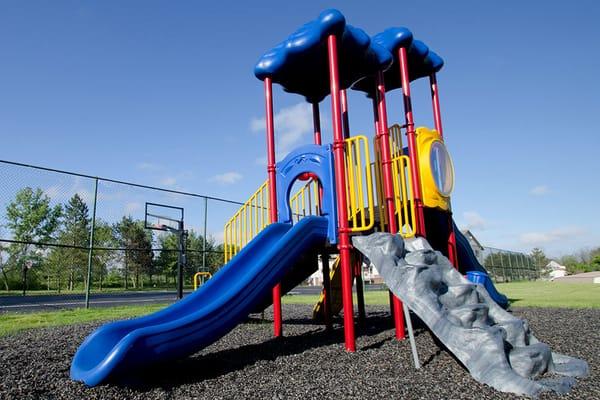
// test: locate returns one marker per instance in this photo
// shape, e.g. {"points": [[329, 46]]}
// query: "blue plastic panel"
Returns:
{"points": [[319, 161], [421, 60], [300, 63], [120, 349], [469, 265]]}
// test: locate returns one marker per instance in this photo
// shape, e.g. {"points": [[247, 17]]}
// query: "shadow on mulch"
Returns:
{"points": [[213, 365]]}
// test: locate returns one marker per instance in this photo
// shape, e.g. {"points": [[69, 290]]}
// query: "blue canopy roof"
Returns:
{"points": [[421, 61], [300, 63]]}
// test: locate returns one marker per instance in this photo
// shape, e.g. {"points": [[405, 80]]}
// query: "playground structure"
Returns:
{"points": [[273, 240]]}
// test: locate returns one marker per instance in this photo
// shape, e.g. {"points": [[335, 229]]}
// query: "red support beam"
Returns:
{"points": [[277, 320], [340, 185], [412, 143], [435, 100], [388, 187], [437, 117]]}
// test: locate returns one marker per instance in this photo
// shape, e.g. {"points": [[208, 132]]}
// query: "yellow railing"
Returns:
{"points": [[403, 198], [306, 201], [404, 203], [247, 222], [253, 216], [359, 183], [396, 148], [201, 276]]}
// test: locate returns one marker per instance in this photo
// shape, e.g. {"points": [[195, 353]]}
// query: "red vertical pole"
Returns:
{"points": [[437, 117], [388, 187], [412, 142], [340, 185], [324, 254], [386, 157], [378, 147], [277, 323], [435, 100]]}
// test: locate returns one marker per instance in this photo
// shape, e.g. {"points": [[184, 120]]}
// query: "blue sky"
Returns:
{"points": [[163, 93]]}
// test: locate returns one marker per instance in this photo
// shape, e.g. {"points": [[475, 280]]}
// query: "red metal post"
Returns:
{"points": [[277, 320], [412, 142], [378, 147], [437, 117], [388, 187], [340, 185], [324, 254], [435, 100]]}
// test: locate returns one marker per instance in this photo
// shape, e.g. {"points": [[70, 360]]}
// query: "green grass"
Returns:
{"points": [[522, 294], [552, 294], [11, 323]]}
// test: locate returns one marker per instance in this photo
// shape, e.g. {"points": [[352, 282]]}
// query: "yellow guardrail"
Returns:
{"points": [[247, 222], [403, 197], [402, 180], [396, 148], [198, 276], [359, 196], [253, 216], [306, 201]]}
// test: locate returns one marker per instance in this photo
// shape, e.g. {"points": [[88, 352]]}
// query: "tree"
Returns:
{"points": [[539, 258], [76, 232], [137, 242], [3, 267], [30, 218], [166, 262], [103, 237]]}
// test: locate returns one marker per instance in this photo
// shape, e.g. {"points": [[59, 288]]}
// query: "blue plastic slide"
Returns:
{"points": [[469, 265], [117, 349]]}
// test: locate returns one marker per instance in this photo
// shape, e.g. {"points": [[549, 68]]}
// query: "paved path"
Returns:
{"points": [[62, 301], [54, 302]]}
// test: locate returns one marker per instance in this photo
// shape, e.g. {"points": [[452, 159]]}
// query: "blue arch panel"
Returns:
{"points": [[314, 159]]}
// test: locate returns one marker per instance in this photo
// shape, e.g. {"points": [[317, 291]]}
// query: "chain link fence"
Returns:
{"points": [[509, 266], [60, 230]]}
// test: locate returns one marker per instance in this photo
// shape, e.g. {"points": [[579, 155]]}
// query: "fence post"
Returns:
{"points": [[204, 235], [91, 248]]}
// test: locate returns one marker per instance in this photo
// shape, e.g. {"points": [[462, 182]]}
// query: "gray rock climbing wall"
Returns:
{"points": [[497, 348]]}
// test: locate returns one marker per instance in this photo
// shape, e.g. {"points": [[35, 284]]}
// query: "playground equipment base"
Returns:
{"points": [[497, 348]]}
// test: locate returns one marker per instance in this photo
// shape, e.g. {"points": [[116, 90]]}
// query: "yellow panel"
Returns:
{"points": [[431, 196]]}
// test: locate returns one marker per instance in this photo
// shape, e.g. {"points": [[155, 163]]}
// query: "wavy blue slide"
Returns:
{"points": [[476, 273], [116, 349]]}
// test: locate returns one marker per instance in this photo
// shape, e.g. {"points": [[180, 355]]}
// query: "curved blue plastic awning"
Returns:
{"points": [[300, 63], [421, 60]]}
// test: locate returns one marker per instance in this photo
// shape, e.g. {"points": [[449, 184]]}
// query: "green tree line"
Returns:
{"points": [[125, 255]]}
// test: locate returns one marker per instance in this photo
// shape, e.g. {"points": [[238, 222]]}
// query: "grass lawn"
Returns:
{"points": [[11, 323], [521, 294], [552, 294]]}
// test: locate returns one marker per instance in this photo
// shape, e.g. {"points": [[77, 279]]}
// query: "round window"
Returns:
{"points": [[442, 169]]}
